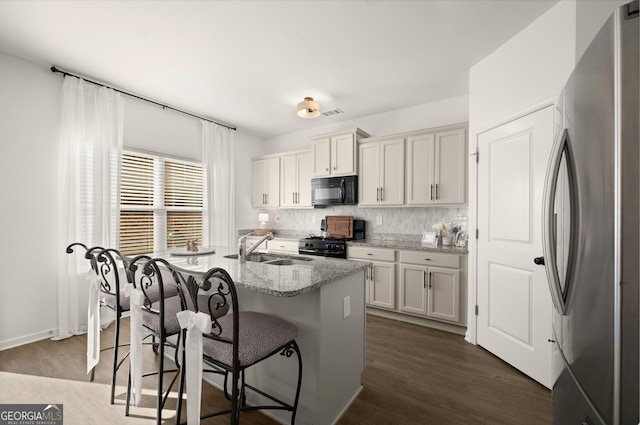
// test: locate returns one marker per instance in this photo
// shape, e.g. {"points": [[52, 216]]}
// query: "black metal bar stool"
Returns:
{"points": [[236, 341]]}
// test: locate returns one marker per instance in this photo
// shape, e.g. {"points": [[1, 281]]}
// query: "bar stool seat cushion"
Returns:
{"points": [[171, 307], [260, 335], [151, 320], [153, 293]]}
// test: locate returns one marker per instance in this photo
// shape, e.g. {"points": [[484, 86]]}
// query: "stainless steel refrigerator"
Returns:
{"points": [[591, 231]]}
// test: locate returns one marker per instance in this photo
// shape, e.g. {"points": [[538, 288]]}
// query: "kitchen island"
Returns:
{"points": [[324, 298]]}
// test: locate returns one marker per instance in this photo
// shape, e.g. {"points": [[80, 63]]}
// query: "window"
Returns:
{"points": [[160, 203]]}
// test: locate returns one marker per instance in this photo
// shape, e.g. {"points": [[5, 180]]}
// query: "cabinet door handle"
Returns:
{"points": [[293, 197], [424, 279], [430, 278], [326, 169], [381, 195], [373, 274], [437, 191], [431, 193], [334, 168], [377, 194]]}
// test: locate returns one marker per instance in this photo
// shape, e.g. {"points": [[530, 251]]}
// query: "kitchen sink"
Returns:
{"points": [[287, 262], [255, 258], [274, 260]]}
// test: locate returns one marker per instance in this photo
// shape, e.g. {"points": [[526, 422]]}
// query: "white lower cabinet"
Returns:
{"points": [[380, 285], [413, 289], [430, 291], [426, 284], [430, 284]]}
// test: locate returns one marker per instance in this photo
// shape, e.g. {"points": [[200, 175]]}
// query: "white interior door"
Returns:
{"points": [[514, 304]]}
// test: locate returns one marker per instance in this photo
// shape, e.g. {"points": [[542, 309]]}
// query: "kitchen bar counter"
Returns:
{"points": [[281, 281], [324, 298]]}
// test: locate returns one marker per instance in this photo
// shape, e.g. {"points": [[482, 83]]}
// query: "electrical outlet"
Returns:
{"points": [[346, 307], [379, 220]]}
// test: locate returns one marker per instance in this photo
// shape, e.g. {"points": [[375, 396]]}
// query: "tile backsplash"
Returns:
{"points": [[409, 221]]}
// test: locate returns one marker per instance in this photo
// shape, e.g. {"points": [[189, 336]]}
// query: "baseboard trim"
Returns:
{"points": [[460, 330], [27, 339]]}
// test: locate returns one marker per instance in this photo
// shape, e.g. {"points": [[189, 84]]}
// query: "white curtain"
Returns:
{"points": [[219, 201], [88, 182]]}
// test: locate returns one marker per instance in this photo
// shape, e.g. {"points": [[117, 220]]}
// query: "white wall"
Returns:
{"points": [[29, 120], [527, 70], [590, 17], [444, 112], [531, 67], [29, 128], [150, 128], [246, 147]]}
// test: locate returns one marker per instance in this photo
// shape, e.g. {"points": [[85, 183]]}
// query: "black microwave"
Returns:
{"points": [[334, 191]]}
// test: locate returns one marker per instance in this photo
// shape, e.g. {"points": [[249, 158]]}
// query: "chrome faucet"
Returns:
{"points": [[243, 252]]}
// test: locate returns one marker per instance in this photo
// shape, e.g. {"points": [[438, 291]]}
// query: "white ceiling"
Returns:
{"points": [[247, 63]]}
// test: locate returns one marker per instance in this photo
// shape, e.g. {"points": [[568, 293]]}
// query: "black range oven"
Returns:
{"points": [[325, 247], [334, 247]]}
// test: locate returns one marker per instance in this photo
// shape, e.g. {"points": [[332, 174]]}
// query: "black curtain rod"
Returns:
{"points": [[65, 73]]}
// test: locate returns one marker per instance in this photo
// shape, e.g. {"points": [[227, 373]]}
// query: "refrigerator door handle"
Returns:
{"points": [[548, 229]]}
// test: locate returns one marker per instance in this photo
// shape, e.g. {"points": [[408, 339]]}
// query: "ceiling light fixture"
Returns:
{"points": [[308, 108]]}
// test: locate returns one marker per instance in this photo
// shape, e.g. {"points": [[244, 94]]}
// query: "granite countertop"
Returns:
{"points": [[382, 240], [281, 281], [408, 244]]}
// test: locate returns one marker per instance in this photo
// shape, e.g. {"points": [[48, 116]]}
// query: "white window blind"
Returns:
{"points": [[161, 203]]}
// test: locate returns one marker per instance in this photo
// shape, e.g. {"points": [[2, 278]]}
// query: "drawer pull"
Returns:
{"points": [[368, 253], [427, 259]]}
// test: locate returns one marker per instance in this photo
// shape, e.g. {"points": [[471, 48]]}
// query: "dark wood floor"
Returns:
{"points": [[414, 376]]}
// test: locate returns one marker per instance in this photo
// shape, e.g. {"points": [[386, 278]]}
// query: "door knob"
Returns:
{"points": [[539, 261]]}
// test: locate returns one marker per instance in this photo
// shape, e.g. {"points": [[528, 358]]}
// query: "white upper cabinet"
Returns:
{"points": [[266, 182], [335, 154], [436, 167], [295, 178], [321, 149], [381, 172]]}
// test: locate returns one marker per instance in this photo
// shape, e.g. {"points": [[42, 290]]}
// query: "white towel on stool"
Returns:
{"points": [[195, 324], [93, 322], [135, 354]]}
